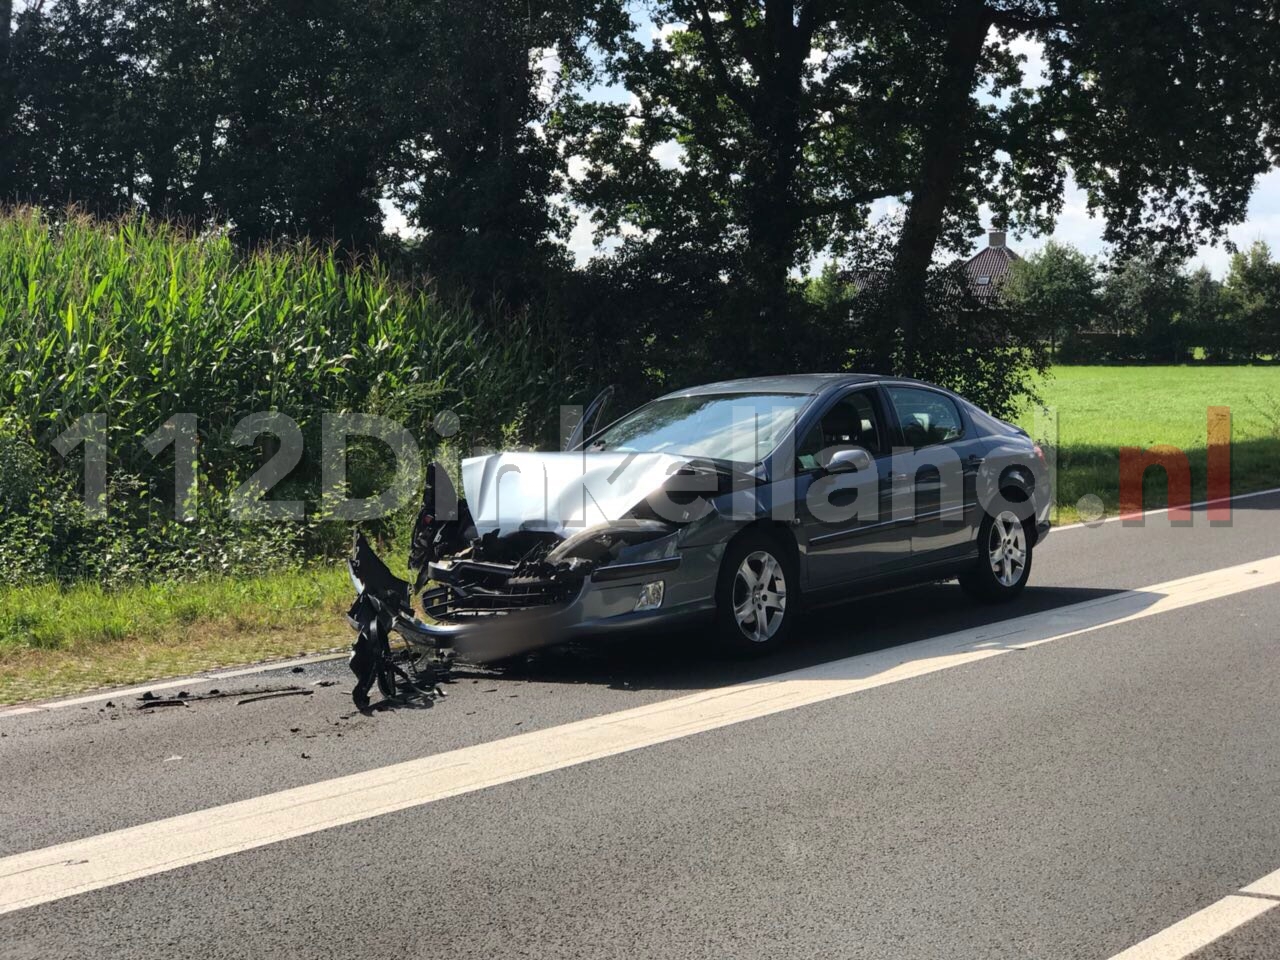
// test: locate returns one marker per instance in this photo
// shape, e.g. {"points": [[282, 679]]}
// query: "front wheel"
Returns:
{"points": [[758, 579], [1004, 559]]}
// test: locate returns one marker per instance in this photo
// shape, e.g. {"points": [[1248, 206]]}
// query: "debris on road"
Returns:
{"points": [[149, 700], [382, 607], [295, 692]]}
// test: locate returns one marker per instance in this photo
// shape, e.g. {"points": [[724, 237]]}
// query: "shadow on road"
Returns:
{"points": [[688, 660]]}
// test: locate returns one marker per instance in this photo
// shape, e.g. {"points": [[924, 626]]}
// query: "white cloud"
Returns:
{"points": [[1034, 70], [546, 62], [393, 221], [669, 154]]}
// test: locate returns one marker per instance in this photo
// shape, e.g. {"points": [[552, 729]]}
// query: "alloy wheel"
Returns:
{"points": [[1007, 549], [759, 596]]}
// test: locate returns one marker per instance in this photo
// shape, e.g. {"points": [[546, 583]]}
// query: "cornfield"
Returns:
{"points": [[140, 320]]}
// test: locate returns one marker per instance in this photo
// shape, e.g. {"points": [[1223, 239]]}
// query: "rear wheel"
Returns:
{"points": [[752, 611], [1004, 558]]}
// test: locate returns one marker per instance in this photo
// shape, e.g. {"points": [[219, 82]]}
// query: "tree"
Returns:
{"points": [[1252, 289], [1055, 290], [1210, 320], [1162, 110], [779, 128], [792, 116], [72, 139], [481, 168], [304, 102], [1146, 298], [267, 113]]}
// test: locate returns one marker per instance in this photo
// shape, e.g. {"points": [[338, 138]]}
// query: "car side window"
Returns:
{"points": [[853, 421], [925, 416]]}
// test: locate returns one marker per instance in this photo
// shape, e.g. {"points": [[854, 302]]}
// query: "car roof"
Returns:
{"points": [[801, 383]]}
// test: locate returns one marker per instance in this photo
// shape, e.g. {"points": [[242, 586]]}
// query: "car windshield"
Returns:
{"points": [[737, 427]]}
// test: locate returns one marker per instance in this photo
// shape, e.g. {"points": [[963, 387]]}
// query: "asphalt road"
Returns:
{"points": [[1063, 800]]}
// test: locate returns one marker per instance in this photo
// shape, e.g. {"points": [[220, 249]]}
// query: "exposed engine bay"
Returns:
{"points": [[521, 561], [543, 524]]}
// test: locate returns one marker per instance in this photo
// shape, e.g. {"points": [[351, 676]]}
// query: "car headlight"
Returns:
{"points": [[651, 595]]}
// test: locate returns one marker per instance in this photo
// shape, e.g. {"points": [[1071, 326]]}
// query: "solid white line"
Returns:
{"points": [[1198, 930], [1091, 524], [121, 693], [79, 866]]}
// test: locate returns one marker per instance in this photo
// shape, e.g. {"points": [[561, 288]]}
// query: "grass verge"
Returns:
{"points": [[58, 640], [1094, 411]]}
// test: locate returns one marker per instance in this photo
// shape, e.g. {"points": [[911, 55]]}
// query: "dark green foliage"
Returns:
{"points": [[1056, 290], [140, 321], [1252, 298]]}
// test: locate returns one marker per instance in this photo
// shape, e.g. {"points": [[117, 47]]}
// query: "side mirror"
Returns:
{"points": [[850, 460]]}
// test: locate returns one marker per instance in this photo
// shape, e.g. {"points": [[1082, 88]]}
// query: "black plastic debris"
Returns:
{"points": [[382, 608], [274, 695]]}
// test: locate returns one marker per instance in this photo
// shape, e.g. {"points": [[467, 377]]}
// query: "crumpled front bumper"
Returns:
{"points": [[606, 603]]}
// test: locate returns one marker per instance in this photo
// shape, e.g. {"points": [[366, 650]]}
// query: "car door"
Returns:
{"points": [[844, 521], [936, 471]]}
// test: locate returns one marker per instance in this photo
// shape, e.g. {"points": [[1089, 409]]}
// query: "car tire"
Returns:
{"points": [[1005, 552], [757, 596]]}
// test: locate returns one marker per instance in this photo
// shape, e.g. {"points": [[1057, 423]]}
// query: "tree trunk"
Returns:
{"points": [[773, 224], [942, 155]]}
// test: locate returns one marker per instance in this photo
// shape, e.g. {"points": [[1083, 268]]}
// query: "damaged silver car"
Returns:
{"points": [[731, 502]]}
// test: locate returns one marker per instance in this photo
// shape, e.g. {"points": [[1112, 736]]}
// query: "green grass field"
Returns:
{"points": [[56, 640], [1098, 410]]}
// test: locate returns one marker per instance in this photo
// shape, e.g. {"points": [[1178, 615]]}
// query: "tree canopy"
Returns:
{"points": [[744, 142]]}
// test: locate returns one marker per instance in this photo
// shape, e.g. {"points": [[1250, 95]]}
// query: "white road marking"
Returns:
{"points": [[1199, 930], [41, 876]]}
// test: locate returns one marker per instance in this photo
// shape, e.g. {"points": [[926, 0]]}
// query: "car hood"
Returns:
{"points": [[560, 492]]}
